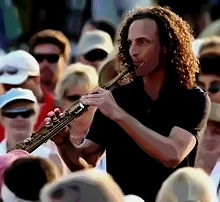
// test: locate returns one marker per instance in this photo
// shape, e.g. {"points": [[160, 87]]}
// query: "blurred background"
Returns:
{"points": [[20, 19]]}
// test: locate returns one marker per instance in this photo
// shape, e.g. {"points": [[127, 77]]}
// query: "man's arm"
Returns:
{"points": [[170, 150], [78, 157], [75, 157]]}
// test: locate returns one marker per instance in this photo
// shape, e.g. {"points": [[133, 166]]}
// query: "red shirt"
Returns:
{"points": [[47, 105], [2, 132]]}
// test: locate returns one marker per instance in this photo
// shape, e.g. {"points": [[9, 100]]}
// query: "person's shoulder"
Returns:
{"points": [[194, 96], [193, 92], [198, 92]]}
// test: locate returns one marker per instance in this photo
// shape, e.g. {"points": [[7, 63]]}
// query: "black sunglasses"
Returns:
{"points": [[13, 113], [95, 55], [214, 88], [51, 58], [9, 70], [72, 98]]}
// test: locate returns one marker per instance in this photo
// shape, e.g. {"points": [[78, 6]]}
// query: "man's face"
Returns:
{"points": [[51, 63], [18, 119], [211, 84], [144, 46]]}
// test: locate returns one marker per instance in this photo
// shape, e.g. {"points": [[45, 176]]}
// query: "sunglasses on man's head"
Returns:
{"points": [[13, 113], [95, 55], [51, 58], [9, 70]]}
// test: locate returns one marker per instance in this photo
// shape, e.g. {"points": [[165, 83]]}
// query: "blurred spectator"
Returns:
{"points": [[209, 80], [132, 198], [20, 69], [78, 80], [212, 29], [19, 111], [93, 47], [100, 24], [51, 48], [187, 184], [215, 175], [210, 44], [16, 68], [86, 185], [33, 172], [7, 159]]}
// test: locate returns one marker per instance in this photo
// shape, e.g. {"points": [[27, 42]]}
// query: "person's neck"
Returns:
{"points": [[10, 143], [12, 139], [154, 82]]}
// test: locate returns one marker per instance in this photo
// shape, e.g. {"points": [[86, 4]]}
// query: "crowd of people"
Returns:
{"points": [[153, 136]]}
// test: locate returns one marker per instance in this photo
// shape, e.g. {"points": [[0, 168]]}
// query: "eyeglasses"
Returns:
{"points": [[9, 70], [72, 98], [95, 55], [51, 58], [13, 113]]}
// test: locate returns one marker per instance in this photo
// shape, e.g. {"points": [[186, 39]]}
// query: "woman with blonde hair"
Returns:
{"points": [[77, 80], [187, 184]]}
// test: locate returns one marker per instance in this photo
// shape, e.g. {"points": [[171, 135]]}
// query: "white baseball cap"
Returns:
{"points": [[17, 94], [16, 66], [95, 39]]}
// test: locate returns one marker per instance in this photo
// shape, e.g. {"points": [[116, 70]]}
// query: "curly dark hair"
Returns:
{"points": [[174, 33]]}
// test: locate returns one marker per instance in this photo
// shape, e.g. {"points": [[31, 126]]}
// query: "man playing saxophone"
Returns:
{"points": [[148, 127]]}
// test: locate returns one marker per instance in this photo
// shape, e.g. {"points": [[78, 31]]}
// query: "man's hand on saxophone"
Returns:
{"points": [[53, 117], [104, 101], [76, 157]]}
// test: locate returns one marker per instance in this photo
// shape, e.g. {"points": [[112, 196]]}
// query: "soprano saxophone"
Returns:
{"points": [[77, 109]]}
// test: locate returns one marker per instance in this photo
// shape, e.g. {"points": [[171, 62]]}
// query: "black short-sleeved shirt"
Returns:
{"points": [[133, 169]]}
